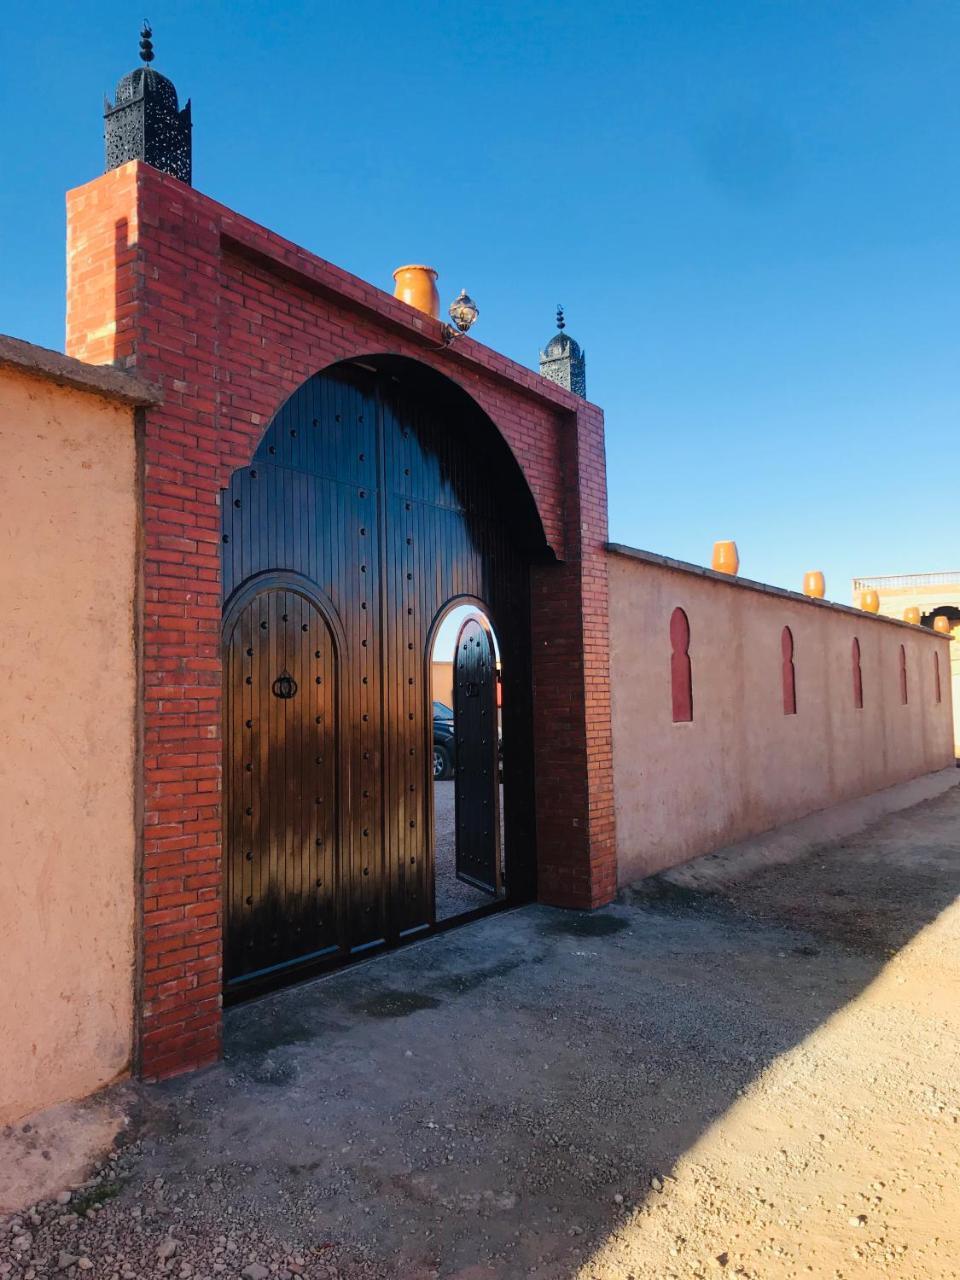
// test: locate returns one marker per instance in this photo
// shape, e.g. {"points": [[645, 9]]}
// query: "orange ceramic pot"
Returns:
{"points": [[869, 601], [912, 614], [726, 558], [814, 585], [941, 624], [417, 287]]}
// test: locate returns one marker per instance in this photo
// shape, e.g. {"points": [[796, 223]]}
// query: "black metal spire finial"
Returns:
{"points": [[145, 121], [563, 361], [146, 42]]}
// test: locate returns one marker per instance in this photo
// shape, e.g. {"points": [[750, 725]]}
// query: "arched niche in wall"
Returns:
{"points": [[903, 676], [681, 670], [857, 673], [788, 673]]}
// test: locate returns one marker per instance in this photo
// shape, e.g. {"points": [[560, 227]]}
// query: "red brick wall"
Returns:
{"points": [[230, 319]]}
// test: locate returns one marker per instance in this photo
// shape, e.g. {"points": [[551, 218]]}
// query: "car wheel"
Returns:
{"points": [[441, 763]]}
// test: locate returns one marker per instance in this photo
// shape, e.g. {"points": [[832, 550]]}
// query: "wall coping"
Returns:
{"points": [[316, 275], [65, 371], [244, 237], [748, 584]]}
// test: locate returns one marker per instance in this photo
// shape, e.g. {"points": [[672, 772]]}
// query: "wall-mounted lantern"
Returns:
{"points": [[463, 311], [416, 285]]}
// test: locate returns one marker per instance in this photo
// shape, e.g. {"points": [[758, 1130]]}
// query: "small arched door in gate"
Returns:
{"points": [[281, 784], [477, 794]]}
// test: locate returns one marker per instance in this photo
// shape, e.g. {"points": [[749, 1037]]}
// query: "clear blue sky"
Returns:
{"points": [[751, 212]]}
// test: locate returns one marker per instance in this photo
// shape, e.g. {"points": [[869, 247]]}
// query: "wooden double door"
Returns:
{"points": [[378, 499]]}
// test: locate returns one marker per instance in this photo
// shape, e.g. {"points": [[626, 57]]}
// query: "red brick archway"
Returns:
{"points": [[229, 319]]}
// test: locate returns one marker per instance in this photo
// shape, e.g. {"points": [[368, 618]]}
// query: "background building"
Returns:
{"points": [[936, 595]]}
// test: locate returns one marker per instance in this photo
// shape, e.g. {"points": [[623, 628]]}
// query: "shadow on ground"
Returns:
{"points": [[491, 1103]]}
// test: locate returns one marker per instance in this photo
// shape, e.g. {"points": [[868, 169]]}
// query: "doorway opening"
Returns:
{"points": [[469, 836], [381, 516]]}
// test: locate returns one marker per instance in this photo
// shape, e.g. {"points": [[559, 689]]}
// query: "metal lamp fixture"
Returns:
{"points": [[416, 285], [463, 311]]}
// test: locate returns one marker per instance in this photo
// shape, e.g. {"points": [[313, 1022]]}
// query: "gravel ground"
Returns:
{"points": [[453, 897], [757, 1080]]}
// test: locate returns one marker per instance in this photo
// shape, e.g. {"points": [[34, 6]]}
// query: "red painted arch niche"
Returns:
{"points": [[681, 668], [788, 672]]}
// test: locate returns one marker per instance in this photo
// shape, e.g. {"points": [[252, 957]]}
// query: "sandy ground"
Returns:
{"points": [[757, 1076]]}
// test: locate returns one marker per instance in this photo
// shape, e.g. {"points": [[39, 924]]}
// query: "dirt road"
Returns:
{"points": [[753, 1077]]}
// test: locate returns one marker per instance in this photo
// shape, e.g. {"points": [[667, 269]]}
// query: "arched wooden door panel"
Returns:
{"points": [[477, 793], [281, 784], [390, 496]]}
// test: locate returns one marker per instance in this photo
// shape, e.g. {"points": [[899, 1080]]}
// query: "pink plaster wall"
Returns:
{"points": [[68, 527], [741, 766]]}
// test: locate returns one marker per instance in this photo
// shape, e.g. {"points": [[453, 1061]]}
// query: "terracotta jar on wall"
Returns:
{"points": [[814, 585], [912, 614], [941, 624], [417, 286], [869, 601], [726, 558]]}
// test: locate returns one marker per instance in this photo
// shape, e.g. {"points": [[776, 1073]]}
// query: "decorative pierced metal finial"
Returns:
{"points": [[145, 121], [146, 42], [563, 361]]}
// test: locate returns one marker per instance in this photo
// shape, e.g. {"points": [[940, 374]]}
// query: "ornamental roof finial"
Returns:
{"points": [[563, 360], [145, 121], [146, 42]]}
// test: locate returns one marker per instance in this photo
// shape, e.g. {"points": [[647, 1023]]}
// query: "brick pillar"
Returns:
{"points": [[102, 269], [576, 851], [121, 310]]}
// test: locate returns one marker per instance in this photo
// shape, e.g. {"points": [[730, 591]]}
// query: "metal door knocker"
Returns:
{"points": [[284, 686]]}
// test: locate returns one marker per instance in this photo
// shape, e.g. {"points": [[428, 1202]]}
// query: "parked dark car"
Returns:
{"points": [[444, 746]]}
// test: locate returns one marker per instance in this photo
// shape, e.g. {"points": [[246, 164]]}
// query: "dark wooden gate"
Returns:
{"points": [[478, 773], [376, 499]]}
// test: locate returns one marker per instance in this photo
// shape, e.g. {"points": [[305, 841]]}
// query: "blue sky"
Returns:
{"points": [[751, 212]]}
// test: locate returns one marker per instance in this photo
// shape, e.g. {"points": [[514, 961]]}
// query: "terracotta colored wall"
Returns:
{"points": [[741, 766], [229, 319], [929, 597], [443, 683], [68, 515]]}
